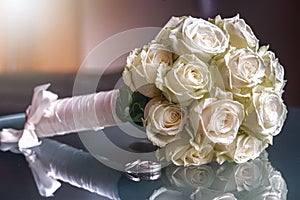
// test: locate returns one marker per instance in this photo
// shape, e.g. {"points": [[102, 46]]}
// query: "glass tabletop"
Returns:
{"points": [[62, 167]]}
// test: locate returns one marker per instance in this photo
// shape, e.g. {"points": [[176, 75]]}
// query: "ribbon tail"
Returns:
{"points": [[46, 184], [10, 135], [28, 139]]}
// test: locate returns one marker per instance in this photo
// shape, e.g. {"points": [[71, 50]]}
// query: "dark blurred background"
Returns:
{"points": [[45, 41]]}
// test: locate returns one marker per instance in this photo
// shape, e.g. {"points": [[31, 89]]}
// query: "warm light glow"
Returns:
{"points": [[16, 6], [17, 23], [18, 17], [39, 35], [17, 10]]}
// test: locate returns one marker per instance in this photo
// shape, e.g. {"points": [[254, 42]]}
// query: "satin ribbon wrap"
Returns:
{"points": [[47, 116]]}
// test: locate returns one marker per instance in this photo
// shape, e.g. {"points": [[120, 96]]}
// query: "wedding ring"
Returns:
{"points": [[143, 170]]}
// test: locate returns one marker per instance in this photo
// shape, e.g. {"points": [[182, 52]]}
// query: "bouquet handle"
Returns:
{"points": [[48, 116]]}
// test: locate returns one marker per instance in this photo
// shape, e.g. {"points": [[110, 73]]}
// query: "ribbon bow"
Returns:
{"points": [[40, 103]]}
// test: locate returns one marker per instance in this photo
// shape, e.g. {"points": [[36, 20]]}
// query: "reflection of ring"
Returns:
{"points": [[143, 170]]}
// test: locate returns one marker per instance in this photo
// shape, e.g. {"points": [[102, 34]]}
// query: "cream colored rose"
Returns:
{"points": [[219, 119], [247, 148], [163, 121], [274, 70], [187, 35], [243, 69], [196, 157], [181, 153], [187, 80], [242, 149], [142, 64], [266, 114], [241, 34]]}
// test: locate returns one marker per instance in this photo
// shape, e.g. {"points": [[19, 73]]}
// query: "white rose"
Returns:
{"points": [[219, 119], [266, 114], [197, 157], [180, 152], [248, 176], [140, 71], [247, 148], [240, 33], [274, 70], [242, 149], [164, 121], [187, 80], [243, 69], [186, 35]]}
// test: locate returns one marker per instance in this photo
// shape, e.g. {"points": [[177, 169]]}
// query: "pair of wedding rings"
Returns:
{"points": [[143, 170]]}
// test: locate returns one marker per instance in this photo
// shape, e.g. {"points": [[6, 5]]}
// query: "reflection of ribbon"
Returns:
{"points": [[45, 183], [52, 162], [27, 138]]}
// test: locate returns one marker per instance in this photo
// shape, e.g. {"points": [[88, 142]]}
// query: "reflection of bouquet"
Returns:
{"points": [[256, 179], [53, 162], [206, 90]]}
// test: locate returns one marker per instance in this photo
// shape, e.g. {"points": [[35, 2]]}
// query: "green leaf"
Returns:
{"points": [[130, 105], [137, 106]]}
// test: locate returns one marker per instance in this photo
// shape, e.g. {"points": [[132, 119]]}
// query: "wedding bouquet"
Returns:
{"points": [[205, 90], [201, 90]]}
